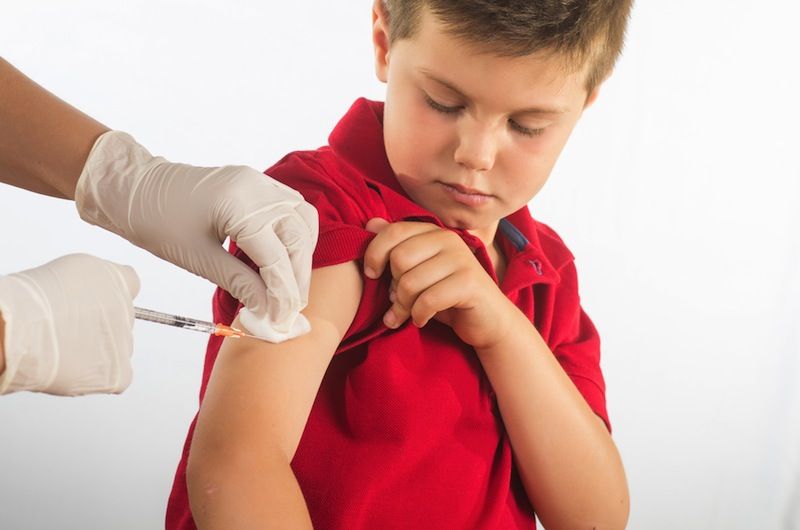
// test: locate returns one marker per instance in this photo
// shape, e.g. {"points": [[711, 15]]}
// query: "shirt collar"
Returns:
{"points": [[358, 138], [522, 242]]}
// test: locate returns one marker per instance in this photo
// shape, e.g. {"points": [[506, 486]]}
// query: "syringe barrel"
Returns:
{"points": [[174, 320]]}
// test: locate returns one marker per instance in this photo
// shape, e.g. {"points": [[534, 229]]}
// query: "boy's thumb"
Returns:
{"points": [[376, 224]]}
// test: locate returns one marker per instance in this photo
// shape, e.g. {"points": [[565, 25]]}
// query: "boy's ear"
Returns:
{"points": [[380, 39], [591, 97]]}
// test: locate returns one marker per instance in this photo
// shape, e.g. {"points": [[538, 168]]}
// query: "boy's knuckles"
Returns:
{"points": [[424, 306], [401, 313], [394, 232], [401, 261], [419, 317], [374, 261], [406, 299], [452, 238]]}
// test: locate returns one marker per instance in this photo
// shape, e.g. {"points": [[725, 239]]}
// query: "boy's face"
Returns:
{"points": [[472, 136]]}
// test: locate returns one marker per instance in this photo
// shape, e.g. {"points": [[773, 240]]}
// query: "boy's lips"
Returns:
{"points": [[464, 189], [465, 195]]}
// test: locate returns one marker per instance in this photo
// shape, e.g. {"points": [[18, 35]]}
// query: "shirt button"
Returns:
{"points": [[537, 265]]}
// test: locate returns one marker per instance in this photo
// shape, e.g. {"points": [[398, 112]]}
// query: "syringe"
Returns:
{"points": [[219, 330]]}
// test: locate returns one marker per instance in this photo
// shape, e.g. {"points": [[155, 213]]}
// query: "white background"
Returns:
{"points": [[677, 193]]}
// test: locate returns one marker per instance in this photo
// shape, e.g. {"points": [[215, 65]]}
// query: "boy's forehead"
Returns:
{"points": [[469, 67], [431, 27]]}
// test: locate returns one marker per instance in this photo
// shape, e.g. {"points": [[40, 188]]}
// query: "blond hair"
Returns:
{"points": [[587, 33]]}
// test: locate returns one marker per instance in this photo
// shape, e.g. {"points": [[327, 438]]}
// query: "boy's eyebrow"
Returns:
{"points": [[531, 110]]}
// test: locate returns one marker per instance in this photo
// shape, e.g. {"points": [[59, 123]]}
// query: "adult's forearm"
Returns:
{"points": [[248, 490], [567, 460], [44, 142]]}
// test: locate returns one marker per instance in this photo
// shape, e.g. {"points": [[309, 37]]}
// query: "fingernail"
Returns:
{"points": [[370, 273], [389, 319], [392, 297]]}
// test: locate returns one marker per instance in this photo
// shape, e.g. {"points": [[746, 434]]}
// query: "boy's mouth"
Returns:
{"points": [[465, 190], [465, 195]]}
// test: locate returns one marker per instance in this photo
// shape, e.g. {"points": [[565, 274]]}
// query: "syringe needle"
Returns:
{"points": [[229, 331]]}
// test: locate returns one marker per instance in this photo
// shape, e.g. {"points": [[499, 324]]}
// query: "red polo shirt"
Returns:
{"points": [[405, 431]]}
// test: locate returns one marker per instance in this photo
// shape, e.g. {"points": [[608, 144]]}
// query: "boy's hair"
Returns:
{"points": [[585, 32]]}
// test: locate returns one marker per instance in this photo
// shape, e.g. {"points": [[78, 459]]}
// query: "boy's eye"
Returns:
{"points": [[444, 109], [525, 131]]}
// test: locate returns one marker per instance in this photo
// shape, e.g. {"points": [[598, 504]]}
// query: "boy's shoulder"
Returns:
{"points": [[321, 166], [551, 242], [328, 182]]}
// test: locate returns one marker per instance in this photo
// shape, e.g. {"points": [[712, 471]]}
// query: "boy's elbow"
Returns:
{"points": [[612, 521], [613, 518], [203, 479], [610, 512], [207, 477], [613, 515], [219, 478]]}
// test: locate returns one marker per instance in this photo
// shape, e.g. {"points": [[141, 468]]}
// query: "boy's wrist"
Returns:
{"points": [[513, 322]]}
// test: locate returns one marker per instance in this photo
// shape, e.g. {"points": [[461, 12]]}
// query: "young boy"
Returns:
{"points": [[451, 378]]}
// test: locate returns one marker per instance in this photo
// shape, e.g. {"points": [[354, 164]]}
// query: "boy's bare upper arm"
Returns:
{"points": [[260, 393]]}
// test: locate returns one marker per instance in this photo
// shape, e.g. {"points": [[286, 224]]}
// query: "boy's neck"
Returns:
{"points": [[488, 238], [498, 260], [486, 235]]}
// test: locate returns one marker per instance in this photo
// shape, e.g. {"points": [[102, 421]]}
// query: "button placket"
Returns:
{"points": [[537, 266]]}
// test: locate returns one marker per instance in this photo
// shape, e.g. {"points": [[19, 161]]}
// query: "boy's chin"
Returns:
{"points": [[463, 224]]}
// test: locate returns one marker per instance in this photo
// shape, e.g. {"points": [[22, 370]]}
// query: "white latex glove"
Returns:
{"points": [[183, 214], [68, 327]]}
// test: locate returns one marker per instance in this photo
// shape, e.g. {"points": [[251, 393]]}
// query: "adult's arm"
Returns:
{"points": [[44, 142], [180, 213], [254, 412]]}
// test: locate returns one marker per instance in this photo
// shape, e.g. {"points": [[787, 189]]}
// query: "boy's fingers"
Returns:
{"points": [[429, 303], [419, 293], [395, 316], [420, 278], [388, 237], [433, 302], [376, 224]]}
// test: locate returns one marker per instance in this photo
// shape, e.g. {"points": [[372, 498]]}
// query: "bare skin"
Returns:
{"points": [[238, 472], [44, 142]]}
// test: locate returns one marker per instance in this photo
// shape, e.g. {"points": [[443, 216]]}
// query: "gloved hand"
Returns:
{"points": [[183, 213], [68, 326]]}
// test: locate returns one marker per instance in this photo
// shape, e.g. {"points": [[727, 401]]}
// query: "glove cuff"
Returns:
{"points": [[109, 179], [31, 348]]}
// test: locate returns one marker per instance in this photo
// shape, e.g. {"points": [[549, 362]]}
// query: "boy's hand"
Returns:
{"points": [[436, 275]]}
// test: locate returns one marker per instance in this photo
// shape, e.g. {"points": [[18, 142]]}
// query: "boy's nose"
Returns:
{"points": [[476, 148]]}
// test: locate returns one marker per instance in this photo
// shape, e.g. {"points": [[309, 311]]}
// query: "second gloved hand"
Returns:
{"points": [[184, 213], [68, 327]]}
